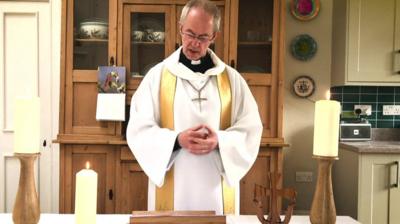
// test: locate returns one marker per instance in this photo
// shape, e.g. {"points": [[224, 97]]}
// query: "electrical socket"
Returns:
{"points": [[391, 109], [304, 176], [365, 109]]}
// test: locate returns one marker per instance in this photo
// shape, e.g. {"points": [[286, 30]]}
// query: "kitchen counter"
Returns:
{"points": [[372, 146], [124, 219], [384, 140]]}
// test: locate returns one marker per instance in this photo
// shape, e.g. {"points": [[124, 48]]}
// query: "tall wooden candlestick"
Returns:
{"points": [[26, 207], [323, 209]]}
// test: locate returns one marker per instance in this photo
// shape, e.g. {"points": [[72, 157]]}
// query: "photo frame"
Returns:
{"points": [[305, 9], [111, 79], [111, 87]]}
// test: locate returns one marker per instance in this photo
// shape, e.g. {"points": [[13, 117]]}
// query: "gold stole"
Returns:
{"points": [[165, 194]]}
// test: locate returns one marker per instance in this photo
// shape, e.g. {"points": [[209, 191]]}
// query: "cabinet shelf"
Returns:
{"points": [[92, 40], [254, 43], [147, 43]]}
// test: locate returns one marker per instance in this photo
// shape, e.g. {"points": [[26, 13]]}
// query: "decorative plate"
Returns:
{"points": [[303, 47], [304, 9], [303, 86]]}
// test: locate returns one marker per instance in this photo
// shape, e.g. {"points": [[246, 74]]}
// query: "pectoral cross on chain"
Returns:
{"points": [[199, 98]]}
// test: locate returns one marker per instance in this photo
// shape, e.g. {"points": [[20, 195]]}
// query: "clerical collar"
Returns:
{"points": [[201, 65]]}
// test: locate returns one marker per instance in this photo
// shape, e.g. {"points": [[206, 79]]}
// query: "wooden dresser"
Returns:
{"points": [[251, 40]]}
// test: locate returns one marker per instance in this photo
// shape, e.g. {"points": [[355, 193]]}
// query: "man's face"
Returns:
{"points": [[197, 33]]}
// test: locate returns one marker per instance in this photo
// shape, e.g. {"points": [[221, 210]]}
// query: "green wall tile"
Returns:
{"points": [[385, 124], [373, 124], [385, 89], [384, 117], [368, 98], [376, 96], [369, 89], [386, 98], [373, 115], [380, 106], [347, 106], [337, 97], [336, 89], [351, 89], [354, 98]]}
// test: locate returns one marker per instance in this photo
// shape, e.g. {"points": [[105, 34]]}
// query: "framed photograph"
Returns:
{"points": [[110, 105], [304, 9], [111, 79]]}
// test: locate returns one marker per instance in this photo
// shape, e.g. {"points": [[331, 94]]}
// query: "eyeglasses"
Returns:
{"points": [[201, 38]]}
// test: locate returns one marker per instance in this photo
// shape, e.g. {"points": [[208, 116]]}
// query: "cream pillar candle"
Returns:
{"points": [[326, 128], [86, 196], [27, 125]]}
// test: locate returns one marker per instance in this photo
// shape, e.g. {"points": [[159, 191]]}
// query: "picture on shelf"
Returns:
{"points": [[111, 79]]}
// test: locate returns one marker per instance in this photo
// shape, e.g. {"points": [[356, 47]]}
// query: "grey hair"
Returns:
{"points": [[208, 6]]}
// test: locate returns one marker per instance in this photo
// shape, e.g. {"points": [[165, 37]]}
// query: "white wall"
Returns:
{"points": [[30, 34], [299, 113]]}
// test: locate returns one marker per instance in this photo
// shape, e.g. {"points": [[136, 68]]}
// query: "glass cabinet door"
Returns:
{"points": [[90, 22], [146, 37], [253, 50]]}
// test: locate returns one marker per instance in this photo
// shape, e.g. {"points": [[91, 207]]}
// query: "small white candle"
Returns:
{"points": [[326, 128], [86, 196], [27, 125]]}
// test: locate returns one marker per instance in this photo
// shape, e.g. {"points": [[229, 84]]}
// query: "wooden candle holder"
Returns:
{"points": [[26, 207], [323, 209]]}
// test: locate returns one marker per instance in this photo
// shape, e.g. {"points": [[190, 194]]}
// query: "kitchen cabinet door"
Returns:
{"points": [[364, 186], [132, 184], [366, 42], [102, 161], [379, 198]]}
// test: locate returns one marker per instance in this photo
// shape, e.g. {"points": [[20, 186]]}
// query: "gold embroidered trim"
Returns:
{"points": [[225, 95], [165, 194]]}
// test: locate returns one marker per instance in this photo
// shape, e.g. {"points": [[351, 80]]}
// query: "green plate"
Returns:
{"points": [[303, 47]]}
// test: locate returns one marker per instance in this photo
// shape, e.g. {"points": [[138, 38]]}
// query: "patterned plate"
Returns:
{"points": [[303, 47], [304, 9]]}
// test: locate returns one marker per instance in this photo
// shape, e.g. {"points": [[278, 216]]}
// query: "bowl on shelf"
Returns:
{"points": [[156, 36], [93, 29], [137, 35]]}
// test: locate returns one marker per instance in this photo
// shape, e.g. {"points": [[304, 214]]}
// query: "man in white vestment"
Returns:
{"points": [[199, 128]]}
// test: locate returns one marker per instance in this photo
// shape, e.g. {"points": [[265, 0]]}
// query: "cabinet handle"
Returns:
{"points": [[44, 143], [397, 175], [232, 63], [112, 63], [110, 194]]}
